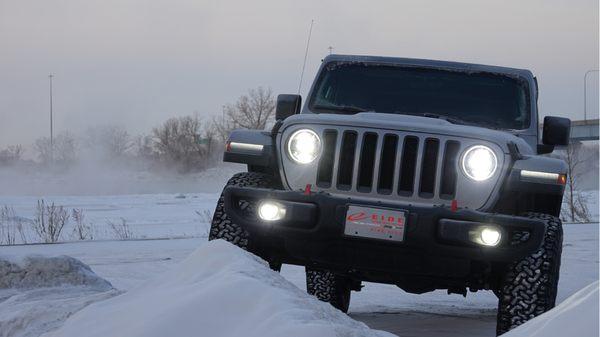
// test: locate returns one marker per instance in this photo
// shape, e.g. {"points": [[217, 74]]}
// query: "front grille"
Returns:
{"points": [[389, 163]]}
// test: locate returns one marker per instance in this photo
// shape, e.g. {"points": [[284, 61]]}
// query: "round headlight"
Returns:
{"points": [[479, 162], [304, 146]]}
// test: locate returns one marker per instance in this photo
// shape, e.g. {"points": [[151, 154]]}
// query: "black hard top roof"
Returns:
{"points": [[424, 63]]}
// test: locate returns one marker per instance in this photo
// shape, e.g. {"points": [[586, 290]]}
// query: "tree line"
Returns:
{"points": [[185, 144]]}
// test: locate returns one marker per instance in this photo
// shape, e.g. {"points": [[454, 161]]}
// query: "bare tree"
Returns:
{"points": [[179, 142], [11, 155], [81, 230], [63, 152], [252, 111], [121, 229], [49, 221], [43, 149], [212, 139], [577, 209], [222, 127], [8, 229], [10, 225], [111, 141], [143, 147]]}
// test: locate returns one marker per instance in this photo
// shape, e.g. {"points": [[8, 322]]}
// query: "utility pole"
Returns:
{"points": [[51, 122], [330, 50], [585, 92]]}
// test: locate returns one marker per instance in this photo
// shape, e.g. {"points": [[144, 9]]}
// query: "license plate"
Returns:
{"points": [[375, 223]]}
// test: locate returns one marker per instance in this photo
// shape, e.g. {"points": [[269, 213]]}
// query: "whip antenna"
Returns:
{"points": [[305, 56]]}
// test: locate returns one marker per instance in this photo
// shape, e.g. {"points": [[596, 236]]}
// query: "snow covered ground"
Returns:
{"points": [[38, 293], [151, 216], [147, 215], [128, 264], [169, 227], [219, 290]]}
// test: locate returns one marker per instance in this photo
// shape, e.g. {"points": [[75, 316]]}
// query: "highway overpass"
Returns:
{"points": [[584, 130]]}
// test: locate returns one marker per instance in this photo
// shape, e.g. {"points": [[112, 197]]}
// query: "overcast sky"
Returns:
{"points": [[139, 62]]}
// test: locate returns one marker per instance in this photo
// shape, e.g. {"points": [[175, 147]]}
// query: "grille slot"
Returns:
{"points": [[325, 171], [448, 183], [346, 164], [409, 165], [387, 164], [367, 162], [428, 168]]}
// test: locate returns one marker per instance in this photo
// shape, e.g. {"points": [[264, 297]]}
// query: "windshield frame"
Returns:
{"points": [[522, 81]]}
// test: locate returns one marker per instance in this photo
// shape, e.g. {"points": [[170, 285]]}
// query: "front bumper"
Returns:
{"points": [[312, 233]]}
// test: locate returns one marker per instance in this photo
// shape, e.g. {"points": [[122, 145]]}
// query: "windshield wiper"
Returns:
{"points": [[452, 120], [449, 119], [342, 108]]}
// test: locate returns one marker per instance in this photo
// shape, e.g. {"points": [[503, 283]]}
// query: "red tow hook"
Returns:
{"points": [[307, 189], [454, 205]]}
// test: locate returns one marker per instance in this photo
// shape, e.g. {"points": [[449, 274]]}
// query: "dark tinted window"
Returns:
{"points": [[481, 98]]}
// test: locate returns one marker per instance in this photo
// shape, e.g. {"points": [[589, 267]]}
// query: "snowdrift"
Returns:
{"points": [[38, 294], [219, 290], [39, 272], [576, 316]]}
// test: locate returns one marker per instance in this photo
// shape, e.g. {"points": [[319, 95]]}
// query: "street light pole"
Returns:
{"points": [[51, 123], [585, 92], [51, 127], [223, 115]]}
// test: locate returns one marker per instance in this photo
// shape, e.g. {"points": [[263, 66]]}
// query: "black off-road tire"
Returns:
{"points": [[329, 287], [529, 286], [222, 227]]}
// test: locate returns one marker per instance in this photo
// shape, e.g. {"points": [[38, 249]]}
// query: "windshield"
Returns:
{"points": [[485, 99]]}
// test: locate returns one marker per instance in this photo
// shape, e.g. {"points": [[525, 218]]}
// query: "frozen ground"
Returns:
{"points": [[147, 215], [183, 209], [127, 264], [38, 293], [154, 216], [219, 290]]}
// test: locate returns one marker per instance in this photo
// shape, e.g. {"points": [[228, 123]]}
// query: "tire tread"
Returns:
{"points": [[530, 285]]}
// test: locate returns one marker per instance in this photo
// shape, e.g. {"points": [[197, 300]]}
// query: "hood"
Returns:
{"points": [[412, 124]]}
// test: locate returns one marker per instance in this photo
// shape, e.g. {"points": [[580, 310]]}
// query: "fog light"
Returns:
{"points": [[490, 236], [271, 211]]}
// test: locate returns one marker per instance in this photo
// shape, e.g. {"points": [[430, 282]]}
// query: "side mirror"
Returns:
{"points": [[287, 105], [557, 131]]}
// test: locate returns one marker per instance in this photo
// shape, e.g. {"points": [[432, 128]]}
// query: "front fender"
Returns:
{"points": [[519, 182], [252, 147]]}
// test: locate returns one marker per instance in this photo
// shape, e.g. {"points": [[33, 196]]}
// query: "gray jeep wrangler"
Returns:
{"points": [[423, 174]]}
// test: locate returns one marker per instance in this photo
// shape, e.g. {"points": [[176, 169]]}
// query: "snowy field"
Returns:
{"points": [[167, 228], [129, 264], [147, 215]]}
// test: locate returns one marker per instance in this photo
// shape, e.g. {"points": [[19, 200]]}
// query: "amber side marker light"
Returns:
{"points": [[543, 177]]}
